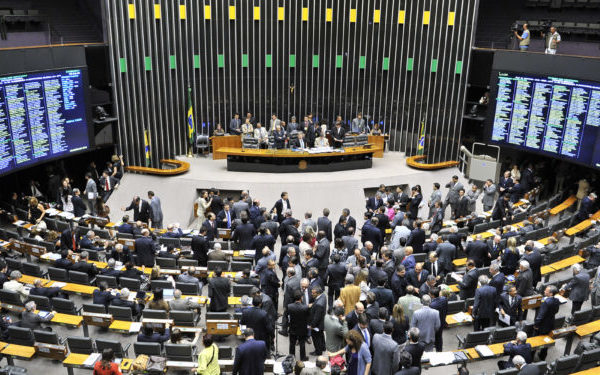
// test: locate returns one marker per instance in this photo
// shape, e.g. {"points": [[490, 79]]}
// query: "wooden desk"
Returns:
{"points": [[588, 329], [18, 351], [30, 280], [222, 327], [563, 206], [591, 371], [379, 141], [460, 262], [80, 289], [454, 288], [545, 241], [484, 235], [67, 320], [584, 225], [565, 263], [121, 326], [455, 323], [234, 141]]}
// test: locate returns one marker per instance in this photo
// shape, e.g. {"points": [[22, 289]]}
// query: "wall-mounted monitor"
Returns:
{"points": [[43, 116]]}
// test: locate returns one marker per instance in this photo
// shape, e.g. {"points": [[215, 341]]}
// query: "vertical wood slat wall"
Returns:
{"points": [[398, 61]]}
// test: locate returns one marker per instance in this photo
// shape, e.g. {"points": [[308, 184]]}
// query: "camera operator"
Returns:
{"points": [[523, 38], [552, 41]]}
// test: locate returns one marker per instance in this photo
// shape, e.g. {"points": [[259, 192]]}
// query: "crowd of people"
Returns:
{"points": [[363, 301]]}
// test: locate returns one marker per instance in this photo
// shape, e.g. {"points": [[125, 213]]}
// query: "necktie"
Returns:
{"points": [[228, 220], [301, 143], [306, 296], [510, 301], [435, 269], [74, 243], [366, 335]]}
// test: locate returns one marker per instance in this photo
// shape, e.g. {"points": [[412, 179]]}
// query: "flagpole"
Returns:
{"points": [[191, 134]]}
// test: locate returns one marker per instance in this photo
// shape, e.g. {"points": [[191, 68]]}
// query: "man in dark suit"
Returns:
{"points": [[260, 241], [511, 305], [145, 249], [123, 301], [102, 295], [516, 192], [446, 253], [524, 282], [141, 209], [525, 368], [298, 314], [334, 279], [322, 252], [416, 238], [417, 276], [110, 269], [338, 134], [350, 221], [373, 203], [108, 184], [469, 282], [498, 279], [478, 251], [30, 319], [125, 227], [225, 217], [39, 290], [82, 265], [318, 310], [383, 295], [579, 286], [291, 284], [87, 242], [434, 267], [544, 321], [244, 234], [218, 290], [269, 282], [587, 208], [200, 247], [462, 205], [439, 303], [324, 224], [533, 256], [64, 261], [484, 306], [495, 246], [254, 317], [69, 240], [281, 206], [506, 182], [120, 253], [250, 356], [502, 210], [371, 233], [212, 231], [527, 180], [512, 349], [414, 347], [79, 206]]}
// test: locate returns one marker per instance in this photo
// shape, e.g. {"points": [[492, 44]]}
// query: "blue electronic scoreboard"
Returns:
{"points": [[551, 115], [42, 116]]}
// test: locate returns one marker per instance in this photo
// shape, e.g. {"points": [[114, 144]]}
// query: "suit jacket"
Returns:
{"points": [[535, 264], [85, 267], [376, 274], [256, 319], [298, 314], [279, 208], [428, 322], [441, 305], [46, 292], [586, 209], [501, 209], [79, 206], [218, 291], [468, 284], [243, 235], [250, 358], [478, 251], [222, 215], [489, 195], [440, 268], [513, 310], [145, 248], [259, 242], [335, 275], [322, 253], [497, 281], [373, 203], [32, 320], [529, 369], [413, 370], [350, 243], [385, 351], [414, 279], [144, 214], [63, 263], [102, 297], [371, 233], [335, 332], [339, 231], [349, 295], [579, 287], [317, 312], [416, 240], [544, 321], [485, 302], [324, 224], [200, 248], [524, 284], [135, 308], [446, 253], [212, 232], [452, 196], [66, 240], [524, 350], [384, 297], [416, 351], [527, 180], [338, 133]]}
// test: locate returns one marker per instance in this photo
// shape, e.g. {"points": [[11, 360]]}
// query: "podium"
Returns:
{"points": [[531, 302], [222, 327]]}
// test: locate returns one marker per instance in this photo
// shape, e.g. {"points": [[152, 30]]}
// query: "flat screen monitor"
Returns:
{"points": [[550, 115], [43, 116]]}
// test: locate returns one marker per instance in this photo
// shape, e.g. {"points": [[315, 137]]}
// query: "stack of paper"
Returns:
{"points": [[484, 351], [52, 212], [462, 317], [456, 276], [135, 327], [441, 358], [92, 359], [19, 223], [58, 284]]}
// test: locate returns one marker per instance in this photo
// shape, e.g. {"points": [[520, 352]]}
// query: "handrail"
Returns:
{"points": [[412, 161], [182, 167]]}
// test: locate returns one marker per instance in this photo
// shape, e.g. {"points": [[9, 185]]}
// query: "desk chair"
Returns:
{"points": [[473, 339], [243, 290], [188, 288], [32, 269], [80, 345], [13, 264], [110, 280], [214, 264], [121, 313], [162, 284], [80, 278], [116, 346], [131, 284], [218, 316], [166, 262], [589, 359], [47, 337], [187, 262], [42, 303], [20, 336], [58, 274], [93, 308], [147, 348], [503, 335], [225, 352], [564, 365], [238, 266], [180, 352], [508, 371], [183, 318], [155, 314], [581, 317], [11, 297], [65, 306]]}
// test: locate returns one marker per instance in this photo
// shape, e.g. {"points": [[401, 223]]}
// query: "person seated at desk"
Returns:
{"points": [[125, 227], [87, 242], [338, 134], [247, 129], [31, 320], [247, 280], [218, 132], [106, 366], [153, 334], [168, 253], [299, 142], [122, 300], [158, 303], [82, 265], [188, 277], [183, 304], [321, 141], [217, 254], [235, 126], [64, 261], [173, 231], [262, 136], [514, 348], [279, 137], [376, 130], [39, 290], [103, 295], [120, 254], [157, 275], [14, 284], [131, 272]]}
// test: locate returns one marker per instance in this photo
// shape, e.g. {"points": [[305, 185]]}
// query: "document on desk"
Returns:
{"points": [[19, 223], [441, 358], [92, 359], [462, 317], [484, 351], [503, 318], [135, 327], [456, 276], [58, 284], [52, 212]]}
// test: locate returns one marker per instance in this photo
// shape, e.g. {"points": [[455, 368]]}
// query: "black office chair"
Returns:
{"points": [[93, 308], [589, 359], [127, 236], [41, 302], [214, 264], [11, 297], [166, 262], [155, 314], [116, 346], [162, 284], [503, 335], [110, 280], [65, 306], [13, 264], [596, 312], [239, 266], [541, 365], [47, 337], [131, 284], [121, 313], [564, 365], [528, 328], [180, 352], [218, 316], [420, 257], [183, 318], [80, 278], [80, 345], [243, 290], [473, 339], [147, 348], [58, 274], [559, 322], [581, 317], [187, 262], [32, 269], [20, 336], [508, 371], [188, 289], [225, 352]]}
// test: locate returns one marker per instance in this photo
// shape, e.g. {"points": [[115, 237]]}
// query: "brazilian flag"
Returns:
{"points": [[190, 118], [421, 142], [147, 147]]}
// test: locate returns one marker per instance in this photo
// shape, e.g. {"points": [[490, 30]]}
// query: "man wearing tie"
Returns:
{"points": [[108, 184], [299, 143], [225, 217], [235, 126], [434, 267], [510, 304], [338, 135]]}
